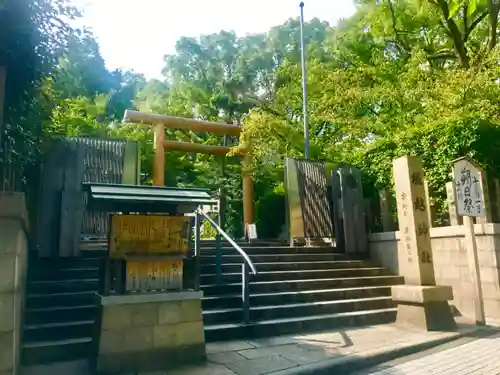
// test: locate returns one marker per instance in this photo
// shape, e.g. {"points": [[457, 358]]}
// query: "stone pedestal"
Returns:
{"points": [[421, 304], [424, 307], [150, 332]]}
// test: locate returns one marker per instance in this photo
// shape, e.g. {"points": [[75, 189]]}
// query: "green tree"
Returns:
{"points": [[81, 70], [394, 82], [79, 116], [34, 34], [123, 92], [221, 77], [153, 97], [81, 96]]}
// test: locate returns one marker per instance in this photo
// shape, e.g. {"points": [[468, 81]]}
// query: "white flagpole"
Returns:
{"points": [[304, 83]]}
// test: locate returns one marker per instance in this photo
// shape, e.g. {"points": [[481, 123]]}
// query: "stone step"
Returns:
{"points": [[93, 249], [271, 250], [98, 243], [42, 352], [60, 299], [94, 253], [66, 263], [276, 327], [288, 266], [53, 273], [302, 285], [298, 275], [298, 289], [276, 258], [60, 314], [260, 299], [62, 286], [58, 331], [242, 243], [297, 310]]}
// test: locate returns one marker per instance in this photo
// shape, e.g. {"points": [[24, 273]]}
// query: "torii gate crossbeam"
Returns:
{"points": [[160, 122]]}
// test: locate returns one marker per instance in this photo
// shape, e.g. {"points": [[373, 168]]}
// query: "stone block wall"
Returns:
{"points": [[140, 334], [451, 264], [13, 265]]}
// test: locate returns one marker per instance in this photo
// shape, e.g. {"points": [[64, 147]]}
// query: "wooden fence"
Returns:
{"points": [[63, 217]]}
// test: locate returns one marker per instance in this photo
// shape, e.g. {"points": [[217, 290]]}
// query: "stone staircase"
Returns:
{"points": [[60, 309], [297, 290]]}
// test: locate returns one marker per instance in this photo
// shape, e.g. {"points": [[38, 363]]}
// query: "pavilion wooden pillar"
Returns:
{"points": [[159, 160]]}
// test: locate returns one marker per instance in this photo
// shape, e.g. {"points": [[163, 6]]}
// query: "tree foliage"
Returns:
{"points": [[398, 77], [396, 82], [33, 35]]}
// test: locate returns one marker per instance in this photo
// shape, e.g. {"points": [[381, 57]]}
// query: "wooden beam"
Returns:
{"points": [[196, 147], [159, 160], [172, 122]]}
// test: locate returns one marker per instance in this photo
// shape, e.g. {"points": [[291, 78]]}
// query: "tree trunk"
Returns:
{"points": [[456, 35], [493, 8]]}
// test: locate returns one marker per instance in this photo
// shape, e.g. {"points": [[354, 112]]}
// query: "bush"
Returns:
{"points": [[437, 145], [270, 213]]}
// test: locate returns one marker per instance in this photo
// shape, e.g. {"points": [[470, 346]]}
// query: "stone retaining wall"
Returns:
{"points": [[138, 334], [450, 263]]}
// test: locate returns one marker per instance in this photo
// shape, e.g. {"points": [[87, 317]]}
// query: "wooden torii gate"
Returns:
{"points": [[161, 145]]}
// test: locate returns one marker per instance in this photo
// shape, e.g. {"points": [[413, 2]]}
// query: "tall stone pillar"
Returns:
{"points": [[421, 304], [13, 263]]}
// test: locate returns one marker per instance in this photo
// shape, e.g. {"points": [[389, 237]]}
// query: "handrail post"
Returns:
{"points": [[231, 241], [218, 260], [245, 292], [197, 229], [218, 239]]}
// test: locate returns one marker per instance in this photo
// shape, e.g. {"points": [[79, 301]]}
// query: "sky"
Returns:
{"points": [[136, 34]]}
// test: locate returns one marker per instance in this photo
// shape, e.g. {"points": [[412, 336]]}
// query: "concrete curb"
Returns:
{"points": [[349, 364]]}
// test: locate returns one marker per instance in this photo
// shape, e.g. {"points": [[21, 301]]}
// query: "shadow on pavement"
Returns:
{"points": [[335, 352]]}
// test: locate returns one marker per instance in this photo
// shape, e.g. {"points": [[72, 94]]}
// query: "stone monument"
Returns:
{"points": [[421, 303]]}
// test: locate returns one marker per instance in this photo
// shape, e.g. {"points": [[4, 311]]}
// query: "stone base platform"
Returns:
{"points": [[424, 307], [150, 332]]}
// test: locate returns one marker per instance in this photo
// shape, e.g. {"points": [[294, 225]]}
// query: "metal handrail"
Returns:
{"points": [[246, 266], [230, 240]]}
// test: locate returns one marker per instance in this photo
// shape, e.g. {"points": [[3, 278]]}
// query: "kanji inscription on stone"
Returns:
{"points": [[415, 252], [469, 192]]}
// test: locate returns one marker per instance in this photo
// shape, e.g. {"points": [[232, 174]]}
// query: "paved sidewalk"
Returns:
{"points": [[317, 353], [479, 357], [336, 351]]}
